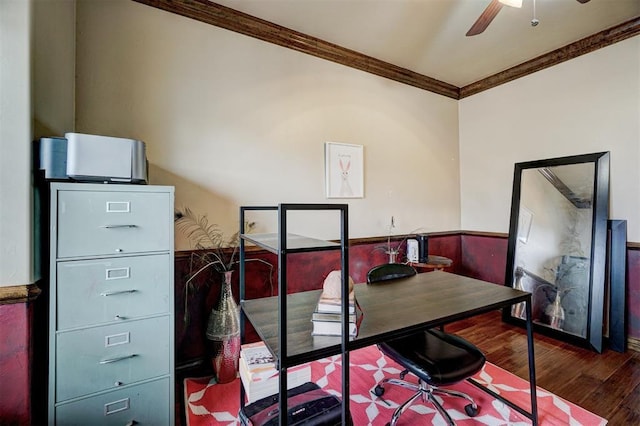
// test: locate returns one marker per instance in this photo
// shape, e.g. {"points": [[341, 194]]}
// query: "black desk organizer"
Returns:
{"points": [[282, 244]]}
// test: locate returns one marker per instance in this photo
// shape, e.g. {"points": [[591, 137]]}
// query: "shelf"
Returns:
{"points": [[295, 243], [303, 347], [271, 316]]}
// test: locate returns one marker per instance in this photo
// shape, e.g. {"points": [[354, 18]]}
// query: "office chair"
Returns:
{"points": [[389, 271], [437, 358]]}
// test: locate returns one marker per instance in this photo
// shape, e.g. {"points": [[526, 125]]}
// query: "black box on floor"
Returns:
{"points": [[308, 405]]}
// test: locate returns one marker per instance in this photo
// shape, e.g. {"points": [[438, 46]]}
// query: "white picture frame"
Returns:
{"points": [[524, 224], [344, 170]]}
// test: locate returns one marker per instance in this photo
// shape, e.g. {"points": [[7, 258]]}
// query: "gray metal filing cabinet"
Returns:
{"points": [[111, 344]]}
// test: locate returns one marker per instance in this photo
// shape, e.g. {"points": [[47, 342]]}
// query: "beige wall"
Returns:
{"points": [[37, 60], [230, 120], [15, 137], [589, 104], [54, 67]]}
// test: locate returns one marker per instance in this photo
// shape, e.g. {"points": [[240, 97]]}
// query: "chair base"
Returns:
{"points": [[427, 393]]}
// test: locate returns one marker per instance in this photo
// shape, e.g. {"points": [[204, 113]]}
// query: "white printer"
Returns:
{"points": [[91, 158]]}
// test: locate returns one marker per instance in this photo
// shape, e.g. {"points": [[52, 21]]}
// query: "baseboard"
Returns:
{"points": [[190, 364], [633, 344]]}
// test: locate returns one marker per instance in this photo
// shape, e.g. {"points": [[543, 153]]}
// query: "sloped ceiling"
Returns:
{"points": [[425, 39]]}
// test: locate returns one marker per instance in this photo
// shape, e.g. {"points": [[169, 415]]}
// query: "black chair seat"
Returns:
{"points": [[436, 357], [390, 271]]}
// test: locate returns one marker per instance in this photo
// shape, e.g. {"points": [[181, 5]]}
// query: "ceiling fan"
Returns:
{"points": [[492, 10]]}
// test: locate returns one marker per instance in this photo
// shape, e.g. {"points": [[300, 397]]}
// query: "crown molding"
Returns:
{"points": [[231, 19], [586, 45], [224, 17]]}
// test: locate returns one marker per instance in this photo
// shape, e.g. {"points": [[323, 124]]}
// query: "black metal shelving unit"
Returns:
{"points": [[290, 353]]}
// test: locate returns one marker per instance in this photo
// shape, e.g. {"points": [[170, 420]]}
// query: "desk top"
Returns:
{"points": [[391, 309]]}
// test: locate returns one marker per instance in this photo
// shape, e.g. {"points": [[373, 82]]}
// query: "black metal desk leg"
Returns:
{"points": [[532, 364], [346, 365]]}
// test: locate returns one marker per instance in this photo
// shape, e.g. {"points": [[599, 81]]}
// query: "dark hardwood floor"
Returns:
{"points": [[607, 384]]}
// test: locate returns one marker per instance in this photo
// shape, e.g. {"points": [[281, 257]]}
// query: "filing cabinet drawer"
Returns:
{"points": [[144, 404], [100, 291], [107, 223], [102, 358]]}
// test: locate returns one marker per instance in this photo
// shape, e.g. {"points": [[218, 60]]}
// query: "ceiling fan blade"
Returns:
{"points": [[485, 18]]}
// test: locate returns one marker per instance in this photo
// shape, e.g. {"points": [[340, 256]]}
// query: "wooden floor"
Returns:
{"points": [[607, 384]]}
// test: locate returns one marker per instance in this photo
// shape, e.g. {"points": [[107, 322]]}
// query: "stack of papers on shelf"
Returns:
{"points": [[259, 375]]}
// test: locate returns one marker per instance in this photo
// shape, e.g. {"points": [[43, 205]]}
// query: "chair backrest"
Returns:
{"points": [[389, 271]]}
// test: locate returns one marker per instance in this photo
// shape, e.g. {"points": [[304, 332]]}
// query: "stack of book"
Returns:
{"points": [[326, 318], [259, 375]]}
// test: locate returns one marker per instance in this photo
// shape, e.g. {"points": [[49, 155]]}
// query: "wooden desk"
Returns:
{"points": [[391, 309]]}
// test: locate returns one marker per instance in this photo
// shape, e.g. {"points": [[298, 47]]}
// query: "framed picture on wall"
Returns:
{"points": [[524, 225], [344, 170]]}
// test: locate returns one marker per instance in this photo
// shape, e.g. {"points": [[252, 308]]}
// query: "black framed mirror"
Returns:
{"points": [[557, 245]]}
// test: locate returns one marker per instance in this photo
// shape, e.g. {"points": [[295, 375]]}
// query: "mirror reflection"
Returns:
{"points": [[557, 245], [553, 245]]}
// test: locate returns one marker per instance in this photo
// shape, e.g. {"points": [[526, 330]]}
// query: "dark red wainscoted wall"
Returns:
{"points": [[474, 255], [305, 271], [485, 257], [15, 365]]}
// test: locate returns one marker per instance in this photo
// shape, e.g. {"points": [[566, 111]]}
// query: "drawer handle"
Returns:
{"points": [[118, 226], [113, 293], [120, 358], [132, 423]]}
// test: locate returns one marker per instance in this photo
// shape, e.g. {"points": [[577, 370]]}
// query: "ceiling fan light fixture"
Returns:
{"points": [[512, 3]]}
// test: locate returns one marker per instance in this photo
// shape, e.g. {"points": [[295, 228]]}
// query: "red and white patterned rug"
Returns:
{"points": [[208, 403]]}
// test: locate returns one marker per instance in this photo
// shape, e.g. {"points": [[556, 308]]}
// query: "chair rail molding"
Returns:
{"points": [[18, 293]]}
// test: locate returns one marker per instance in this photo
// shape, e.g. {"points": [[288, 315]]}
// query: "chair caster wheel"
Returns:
{"points": [[379, 390], [471, 410]]}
